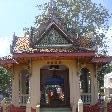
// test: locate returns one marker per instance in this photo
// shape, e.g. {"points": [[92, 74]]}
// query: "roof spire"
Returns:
{"points": [[14, 36]]}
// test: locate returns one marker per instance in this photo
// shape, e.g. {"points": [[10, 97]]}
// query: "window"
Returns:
{"points": [[24, 82], [85, 81]]}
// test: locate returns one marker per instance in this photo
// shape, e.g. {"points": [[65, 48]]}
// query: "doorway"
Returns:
{"points": [[54, 86]]}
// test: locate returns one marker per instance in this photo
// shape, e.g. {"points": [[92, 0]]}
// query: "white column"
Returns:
{"points": [[95, 86], [35, 84], [94, 93], [15, 89], [80, 106], [74, 85], [28, 106], [38, 108]]}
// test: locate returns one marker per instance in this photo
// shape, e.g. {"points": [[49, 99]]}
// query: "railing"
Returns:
{"points": [[86, 98], [23, 99]]}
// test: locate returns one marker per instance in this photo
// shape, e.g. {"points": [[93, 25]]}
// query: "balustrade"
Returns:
{"points": [[23, 99], [86, 98]]}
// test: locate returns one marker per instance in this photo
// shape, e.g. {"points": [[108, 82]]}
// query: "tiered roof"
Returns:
{"points": [[52, 40]]}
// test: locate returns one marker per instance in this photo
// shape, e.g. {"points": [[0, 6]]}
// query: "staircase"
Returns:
{"points": [[55, 110]]}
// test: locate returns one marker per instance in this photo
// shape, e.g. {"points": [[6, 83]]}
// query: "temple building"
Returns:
{"points": [[53, 68]]}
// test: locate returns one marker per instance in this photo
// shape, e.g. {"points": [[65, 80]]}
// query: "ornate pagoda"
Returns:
{"points": [[53, 68]]}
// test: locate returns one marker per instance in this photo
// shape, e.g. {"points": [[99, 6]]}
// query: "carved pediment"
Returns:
{"points": [[53, 39]]}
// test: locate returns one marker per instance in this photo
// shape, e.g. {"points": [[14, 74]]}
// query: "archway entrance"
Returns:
{"points": [[54, 86]]}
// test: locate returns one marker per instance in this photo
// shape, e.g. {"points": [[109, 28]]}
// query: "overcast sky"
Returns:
{"points": [[17, 14]]}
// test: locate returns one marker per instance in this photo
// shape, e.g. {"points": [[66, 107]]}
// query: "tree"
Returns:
{"points": [[81, 17], [104, 70], [5, 82]]}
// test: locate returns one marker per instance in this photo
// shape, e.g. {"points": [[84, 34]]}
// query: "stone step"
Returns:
{"points": [[55, 110]]}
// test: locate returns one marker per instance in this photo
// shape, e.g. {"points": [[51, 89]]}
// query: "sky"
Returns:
{"points": [[18, 14]]}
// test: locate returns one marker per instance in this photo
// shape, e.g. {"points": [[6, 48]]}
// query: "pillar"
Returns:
{"points": [[15, 88], [80, 106], [28, 106], [35, 85]]}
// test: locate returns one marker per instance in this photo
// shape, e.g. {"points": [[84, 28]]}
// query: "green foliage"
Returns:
{"points": [[105, 70], [80, 17], [5, 81]]}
